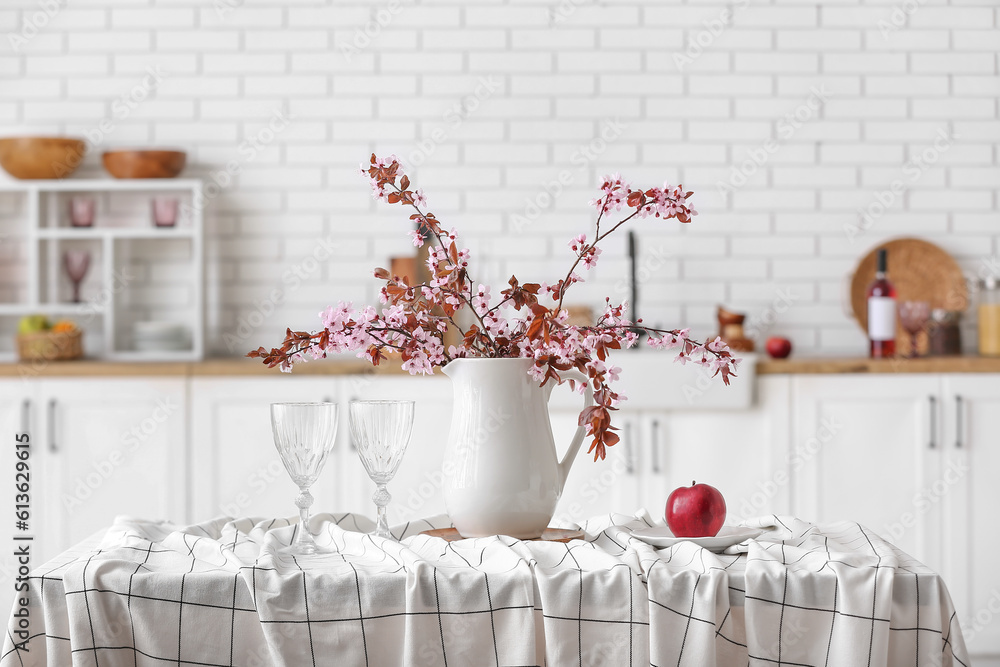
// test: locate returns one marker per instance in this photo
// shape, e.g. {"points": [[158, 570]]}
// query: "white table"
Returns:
{"points": [[219, 593]]}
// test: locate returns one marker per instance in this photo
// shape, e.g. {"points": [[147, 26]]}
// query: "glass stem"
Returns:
{"points": [[304, 539], [382, 498]]}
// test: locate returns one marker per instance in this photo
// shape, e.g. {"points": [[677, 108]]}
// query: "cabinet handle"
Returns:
{"points": [[629, 463], [655, 445], [26, 417], [958, 422], [52, 426], [933, 420]]}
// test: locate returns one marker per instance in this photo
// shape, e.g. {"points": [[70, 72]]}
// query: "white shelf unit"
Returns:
{"points": [[122, 236]]}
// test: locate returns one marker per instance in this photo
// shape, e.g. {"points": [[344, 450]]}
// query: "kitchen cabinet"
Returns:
{"points": [[235, 468], [108, 447], [915, 458], [15, 421], [596, 487], [970, 496], [865, 450], [743, 452]]}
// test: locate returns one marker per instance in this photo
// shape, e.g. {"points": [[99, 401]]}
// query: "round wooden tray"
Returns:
{"points": [[920, 271], [550, 535]]}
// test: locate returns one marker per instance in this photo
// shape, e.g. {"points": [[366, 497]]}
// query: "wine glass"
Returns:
{"points": [[304, 434], [913, 315], [76, 262], [381, 431]]}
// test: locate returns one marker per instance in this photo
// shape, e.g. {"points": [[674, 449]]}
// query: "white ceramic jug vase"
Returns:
{"points": [[501, 472]]}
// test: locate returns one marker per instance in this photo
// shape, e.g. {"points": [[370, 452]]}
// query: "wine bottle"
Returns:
{"points": [[882, 311]]}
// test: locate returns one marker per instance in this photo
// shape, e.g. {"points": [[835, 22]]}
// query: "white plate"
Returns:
{"points": [[660, 536]]}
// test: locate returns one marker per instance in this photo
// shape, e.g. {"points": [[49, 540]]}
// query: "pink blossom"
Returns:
{"points": [[577, 242], [718, 345], [333, 317], [618, 399], [418, 239], [481, 301], [418, 364], [537, 373]]}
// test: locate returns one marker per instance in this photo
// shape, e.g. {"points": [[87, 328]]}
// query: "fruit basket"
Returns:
{"points": [[50, 345]]}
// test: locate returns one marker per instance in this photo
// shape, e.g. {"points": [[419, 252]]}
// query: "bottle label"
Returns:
{"points": [[881, 318]]}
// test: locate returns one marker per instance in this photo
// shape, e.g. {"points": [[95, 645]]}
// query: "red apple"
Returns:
{"points": [[698, 510], [778, 347]]}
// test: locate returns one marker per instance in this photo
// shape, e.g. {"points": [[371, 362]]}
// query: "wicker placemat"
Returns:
{"points": [[550, 535]]}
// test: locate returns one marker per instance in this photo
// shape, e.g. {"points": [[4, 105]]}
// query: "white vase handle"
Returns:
{"points": [[581, 431]]}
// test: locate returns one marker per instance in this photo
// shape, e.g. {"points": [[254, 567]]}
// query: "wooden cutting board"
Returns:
{"points": [[920, 271]]}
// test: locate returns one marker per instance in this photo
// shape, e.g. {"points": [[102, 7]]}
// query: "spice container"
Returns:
{"points": [[944, 336], [989, 318], [731, 330]]}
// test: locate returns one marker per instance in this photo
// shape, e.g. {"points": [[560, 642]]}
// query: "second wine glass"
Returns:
{"points": [[381, 431]]}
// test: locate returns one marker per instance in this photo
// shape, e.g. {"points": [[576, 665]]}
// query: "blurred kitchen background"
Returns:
{"points": [[809, 132]]}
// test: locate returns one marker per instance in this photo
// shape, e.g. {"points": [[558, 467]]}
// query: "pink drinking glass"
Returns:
{"points": [[81, 211], [164, 211], [76, 262], [913, 315]]}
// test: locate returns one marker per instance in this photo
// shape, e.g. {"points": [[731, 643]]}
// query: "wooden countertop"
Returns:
{"points": [[223, 367], [829, 365], [209, 367]]}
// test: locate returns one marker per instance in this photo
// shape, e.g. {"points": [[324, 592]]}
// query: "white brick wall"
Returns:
{"points": [[492, 100]]}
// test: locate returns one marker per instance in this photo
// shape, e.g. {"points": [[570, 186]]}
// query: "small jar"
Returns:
{"points": [[944, 335], [989, 317]]}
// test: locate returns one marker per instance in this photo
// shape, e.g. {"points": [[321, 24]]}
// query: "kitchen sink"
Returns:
{"points": [[652, 380]]}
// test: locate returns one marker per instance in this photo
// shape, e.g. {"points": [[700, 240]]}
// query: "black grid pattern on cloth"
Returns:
{"points": [[221, 594]]}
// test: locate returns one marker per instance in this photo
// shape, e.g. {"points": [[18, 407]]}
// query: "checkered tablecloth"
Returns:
{"points": [[218, 593]]}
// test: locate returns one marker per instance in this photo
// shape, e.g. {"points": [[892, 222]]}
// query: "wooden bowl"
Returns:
{"points": [[144, 164], [41, 157]]}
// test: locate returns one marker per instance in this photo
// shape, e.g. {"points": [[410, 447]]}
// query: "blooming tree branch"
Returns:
{"points": [[414, 318]]}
